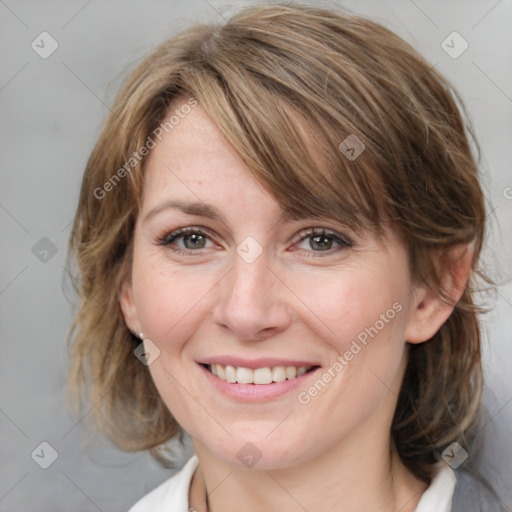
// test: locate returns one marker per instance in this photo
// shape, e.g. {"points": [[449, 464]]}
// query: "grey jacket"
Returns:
{"points": [[471, 495]]}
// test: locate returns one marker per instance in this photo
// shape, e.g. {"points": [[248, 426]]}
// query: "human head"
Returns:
{"points": [[286, 85]]}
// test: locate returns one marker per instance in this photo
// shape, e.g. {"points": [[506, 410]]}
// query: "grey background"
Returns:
{"points": [[51, 111]]}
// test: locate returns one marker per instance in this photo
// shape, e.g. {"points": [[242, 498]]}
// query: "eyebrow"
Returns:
{"points": [[200, 209]]}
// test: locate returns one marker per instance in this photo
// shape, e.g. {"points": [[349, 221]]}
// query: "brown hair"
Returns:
{"points": [[279, 81]]}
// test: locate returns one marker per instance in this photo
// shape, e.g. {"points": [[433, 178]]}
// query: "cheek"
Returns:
{"points": [[171, 305], [357, 305], [169, 301], [363, 320]]}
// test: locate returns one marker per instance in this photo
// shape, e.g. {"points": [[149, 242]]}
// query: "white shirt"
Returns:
{"points": [[172, 495]]}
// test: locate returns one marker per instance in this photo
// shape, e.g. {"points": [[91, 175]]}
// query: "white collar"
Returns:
{"points": [[172, 495], [438, 496]]}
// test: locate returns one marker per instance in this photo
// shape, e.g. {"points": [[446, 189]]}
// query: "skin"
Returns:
{"points": [[294, 301]]}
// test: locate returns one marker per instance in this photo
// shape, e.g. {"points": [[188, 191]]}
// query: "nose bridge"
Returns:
{"points": [[249, 279], [251, 302]]}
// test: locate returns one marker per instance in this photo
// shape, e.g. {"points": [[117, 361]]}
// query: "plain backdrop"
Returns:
{"points": [[51, 112]]}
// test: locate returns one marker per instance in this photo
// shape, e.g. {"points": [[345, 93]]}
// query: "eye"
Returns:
{"points": [[189, 238], [319, 240], [322, 240]]}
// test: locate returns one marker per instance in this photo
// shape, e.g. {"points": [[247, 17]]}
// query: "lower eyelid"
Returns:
{"points": [[341, 245]]}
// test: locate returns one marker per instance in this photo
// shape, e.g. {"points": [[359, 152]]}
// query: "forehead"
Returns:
{"points": [[195, 163], [193, 143]]}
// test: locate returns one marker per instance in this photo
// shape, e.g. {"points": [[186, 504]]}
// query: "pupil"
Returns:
{"points": [[195, 239], [321, 242]]}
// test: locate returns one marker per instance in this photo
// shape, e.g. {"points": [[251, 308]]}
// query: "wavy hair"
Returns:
{"points": [[286, 85]]}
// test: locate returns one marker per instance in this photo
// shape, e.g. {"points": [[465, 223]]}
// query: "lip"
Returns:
{"points": [[256, 392]]}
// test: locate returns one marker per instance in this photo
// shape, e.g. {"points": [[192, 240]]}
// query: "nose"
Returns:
{"points": [[251, 303]]}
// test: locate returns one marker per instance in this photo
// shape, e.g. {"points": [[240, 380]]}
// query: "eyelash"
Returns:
{"points": [[343, 242]]}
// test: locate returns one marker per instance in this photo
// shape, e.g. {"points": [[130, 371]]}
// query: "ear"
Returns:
{"points": [[128, 306], [431, 310]]}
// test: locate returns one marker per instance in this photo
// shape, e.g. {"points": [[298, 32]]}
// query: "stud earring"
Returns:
{"points": [[138, 334]]}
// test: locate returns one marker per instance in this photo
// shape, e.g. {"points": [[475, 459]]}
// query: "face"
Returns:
{"points": [[228, 282]]}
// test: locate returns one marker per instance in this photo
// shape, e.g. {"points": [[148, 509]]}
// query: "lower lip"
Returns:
{"points": [[255, 392]]}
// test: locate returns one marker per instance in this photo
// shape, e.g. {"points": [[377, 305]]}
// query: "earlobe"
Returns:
{"points": [[430, 309]]}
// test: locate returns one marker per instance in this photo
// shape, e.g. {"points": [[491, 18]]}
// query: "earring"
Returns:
{"points": [[138, 334]]}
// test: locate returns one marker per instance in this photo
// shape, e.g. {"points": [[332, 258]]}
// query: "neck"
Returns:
{"points": [[370, 478]]}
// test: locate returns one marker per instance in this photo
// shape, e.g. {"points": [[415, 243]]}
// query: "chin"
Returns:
{"points": [[260, 451]]}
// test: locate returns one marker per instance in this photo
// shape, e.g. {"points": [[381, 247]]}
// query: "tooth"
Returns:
{"points": [[258, 376], [291, 372], [262, 376], [301, 370], [244, 375], [279, 374], [230, 374]]}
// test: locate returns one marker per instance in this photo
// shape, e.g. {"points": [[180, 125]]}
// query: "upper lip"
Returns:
{"points": [[255, 363]]}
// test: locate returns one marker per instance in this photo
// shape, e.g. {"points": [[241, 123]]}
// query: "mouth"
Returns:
{"points": [[256, 380], [258, 376]]}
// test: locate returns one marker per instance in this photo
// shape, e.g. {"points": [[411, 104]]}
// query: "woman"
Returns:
{"points": [[277, 241]]}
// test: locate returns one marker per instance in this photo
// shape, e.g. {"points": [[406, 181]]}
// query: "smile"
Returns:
{"points": [[266, 380], [265, 375]]}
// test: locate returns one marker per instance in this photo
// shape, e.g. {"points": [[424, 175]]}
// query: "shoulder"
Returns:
{"points": [[171, 495], [458, 491], [471, 495]]}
